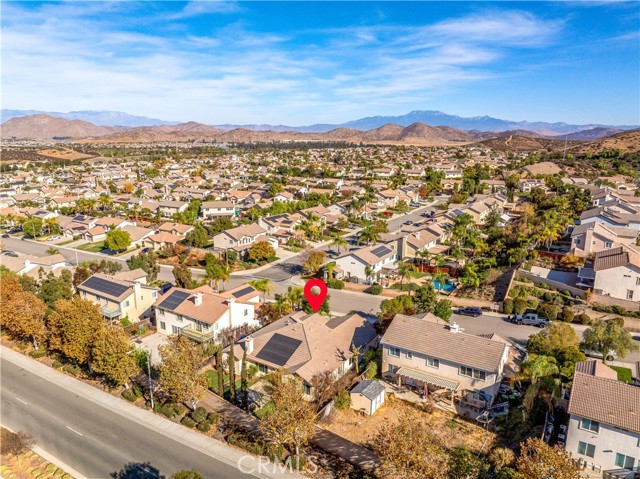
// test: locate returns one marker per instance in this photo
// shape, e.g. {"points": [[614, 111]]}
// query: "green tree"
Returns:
{"points": [[538, 460], [182, 276], [534, 369], [261, 251], [32, 227], [73, 326], [462, 463], [147, 262], [117, 239], [339, 242], [443, 310], [220, 372], [402, 304], [404, 271], [197, 237], [22, 313], [608, 337], [187, 474], [264, 285], [368, 235], [425, 298], [52, 287], [111, 355], [231, 358], [217, 272], [244, 382], [313, 260], [180, 378]]}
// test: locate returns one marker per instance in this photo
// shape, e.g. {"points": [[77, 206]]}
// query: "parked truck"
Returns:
{"points": [[530, 319]]}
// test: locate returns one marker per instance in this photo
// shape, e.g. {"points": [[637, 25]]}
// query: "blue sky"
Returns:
{"points": [[302, 63]]}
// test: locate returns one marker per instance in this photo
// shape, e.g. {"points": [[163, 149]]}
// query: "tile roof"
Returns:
{"points": [[596, 368], [613, 258], [608, 401], [427, 335]]}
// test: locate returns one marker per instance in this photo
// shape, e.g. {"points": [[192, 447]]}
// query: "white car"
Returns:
{"points": [[611, 356], [53, 238]]}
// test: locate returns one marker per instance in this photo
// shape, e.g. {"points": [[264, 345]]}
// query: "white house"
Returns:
{"points": [[376, 257], [200, 314], [604, 424], [215, 209], [615, 273]]}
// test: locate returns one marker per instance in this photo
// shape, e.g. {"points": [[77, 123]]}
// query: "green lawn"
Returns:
{"points": [[260, 413], [92, 247], [212, 379], [624, 374], [417, 274]]}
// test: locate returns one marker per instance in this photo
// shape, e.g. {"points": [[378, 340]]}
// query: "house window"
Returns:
{"points": [[154, 294], [160, 312], [590, 425], [585, 449], [126, 303], [608, 244], [263, 369], [175, 329], [394, 352], [392, 368], [409, 355], [433, 362], [629, 294], [576, 241], [163, 325], [306, 388], [625, 462], [638, 280], [179, 318], [246, 312], [472, 373]]}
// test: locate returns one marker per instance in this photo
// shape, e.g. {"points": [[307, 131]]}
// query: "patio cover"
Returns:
{"points": [[428, 378], [439, 248]]}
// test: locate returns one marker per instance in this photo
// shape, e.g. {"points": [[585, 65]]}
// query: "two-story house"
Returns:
{"points": [[424, 351], [239, 236], [119, 296], [614, 272], [201, 314], [372, 259], [215, 209], [591, 238], [604, 424]]}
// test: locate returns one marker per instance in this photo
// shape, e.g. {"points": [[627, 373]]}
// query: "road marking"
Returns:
{"points": [[23, 402], [71, 429]]}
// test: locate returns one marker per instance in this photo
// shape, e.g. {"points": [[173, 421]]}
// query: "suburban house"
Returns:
{"points": [[424, 351], [119, 296], [158, 241], [604, 424], [614, 272], [591, 238], [280, 224], [177, 229], [239, 236], [215, 209], [200, 314], [170, 208], [308, 344], [372, 258], [31, 265], [614, 213]]}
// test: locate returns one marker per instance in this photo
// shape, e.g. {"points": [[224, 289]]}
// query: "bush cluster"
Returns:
{"points": [[376, 289], [334, 283], [342, 400]]}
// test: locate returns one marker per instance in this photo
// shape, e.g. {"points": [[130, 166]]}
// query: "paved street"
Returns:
{"points": [[98, 434]]}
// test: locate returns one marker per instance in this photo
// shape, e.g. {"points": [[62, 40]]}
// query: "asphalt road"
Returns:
{"points": [[94, 440]]}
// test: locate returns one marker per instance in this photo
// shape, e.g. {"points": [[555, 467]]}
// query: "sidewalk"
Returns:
{"points": [[176, 432], [326, 440]]}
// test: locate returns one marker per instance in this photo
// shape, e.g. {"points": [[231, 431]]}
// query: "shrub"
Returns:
{"points": [[584, 318], [124, 322], [40, 353], [544, 285], [57, 364], [335, 284], [342, 400], [213, 418], [187, 421], [372, 371], [168, 411], [549, 311], [376, 289], [520, 305], [204, 426], [566, 315], [179, 409], [507, 306], [533, 303], [72, 369], [252, 371], [129, 395], [199, 414], [137, 390]]}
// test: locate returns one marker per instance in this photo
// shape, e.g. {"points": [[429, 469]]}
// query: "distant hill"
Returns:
{"points": [[591, 134], [626, 141], [47, 126], [524, 143], [100, 118]]}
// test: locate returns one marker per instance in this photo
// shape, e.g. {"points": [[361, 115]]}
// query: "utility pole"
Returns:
{"points": [[149, 373]]}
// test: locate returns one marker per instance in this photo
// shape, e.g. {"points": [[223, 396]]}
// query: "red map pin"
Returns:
{"points": [[315, 301]]}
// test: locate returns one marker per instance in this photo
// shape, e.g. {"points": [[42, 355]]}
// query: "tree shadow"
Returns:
{"points": [[137, 470]]}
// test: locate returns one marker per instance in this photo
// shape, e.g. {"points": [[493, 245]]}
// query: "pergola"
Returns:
{"points": [[426, 378]]}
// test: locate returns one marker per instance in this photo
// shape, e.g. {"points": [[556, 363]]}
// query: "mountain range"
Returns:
{"points": [[427, 117]]}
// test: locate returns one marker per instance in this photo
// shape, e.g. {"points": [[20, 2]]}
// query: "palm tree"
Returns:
{"points": [[424, 255], [356, 350], [534, 369], [338, 241], [369, 273], [369, 235], [282, 304], [404, 271], [51, 251], [105, 201], [295, 294], [264, 285], [52, 226], [439, 277]]}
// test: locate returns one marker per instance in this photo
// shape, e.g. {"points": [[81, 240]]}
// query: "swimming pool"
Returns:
{"points": [[447, 287]]}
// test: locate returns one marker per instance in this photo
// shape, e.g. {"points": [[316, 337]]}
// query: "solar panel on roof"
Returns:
{"points": [[174, 300], [279, 349], [380, 251], [242, 292], [105, 286]]}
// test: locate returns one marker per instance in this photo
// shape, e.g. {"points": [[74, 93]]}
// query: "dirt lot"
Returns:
{"points": [[64, 154], [451, 428]]}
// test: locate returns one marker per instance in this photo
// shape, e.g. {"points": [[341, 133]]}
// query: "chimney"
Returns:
{"points": [[248, 344], [197, 299]]}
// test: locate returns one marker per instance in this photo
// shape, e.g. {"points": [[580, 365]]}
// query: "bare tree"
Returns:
{"points": [[18, 443]]}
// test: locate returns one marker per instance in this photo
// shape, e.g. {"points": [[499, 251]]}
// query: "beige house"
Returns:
{"points": [[119, 296], [239, 236], [590, 238], [215, 209], [424, 351]]}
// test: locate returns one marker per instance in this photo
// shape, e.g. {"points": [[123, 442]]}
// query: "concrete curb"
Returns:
{"points": [[177, 432]]}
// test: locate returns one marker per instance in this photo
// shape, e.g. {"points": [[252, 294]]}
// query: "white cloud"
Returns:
{"points": [[206, 7]]}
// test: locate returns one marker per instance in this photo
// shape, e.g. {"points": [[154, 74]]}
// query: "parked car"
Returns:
{"points": [[13, 254], [53, 238], [6, 236], [469, 311], [414, 204], [408, 222], [145, 250], [15, 229], [530, 319], [165, 287], [611, 355]]}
